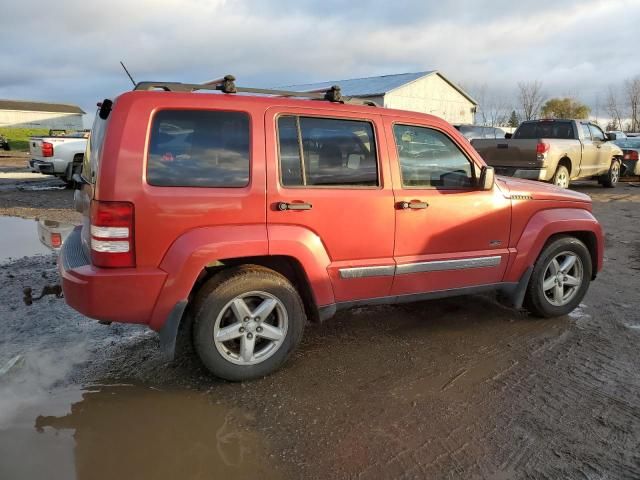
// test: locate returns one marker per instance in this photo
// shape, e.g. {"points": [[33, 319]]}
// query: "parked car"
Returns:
{"points": [[4, 143], [471, 132], [630, 150], [556, 151], [616, 134], [58, 155], [238, 217]]}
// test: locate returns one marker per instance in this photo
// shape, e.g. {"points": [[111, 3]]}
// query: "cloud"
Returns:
{"points": [[70, 53]]}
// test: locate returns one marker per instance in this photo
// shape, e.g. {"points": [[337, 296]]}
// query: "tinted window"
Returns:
{"points": [[628, 143], [429, 158], [191, 148], [596, 133], [546, 129], [334, 152], [585, 131]]}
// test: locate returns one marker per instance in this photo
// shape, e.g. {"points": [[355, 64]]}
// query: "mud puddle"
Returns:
{"points": [[22, 237], [127, 431]]}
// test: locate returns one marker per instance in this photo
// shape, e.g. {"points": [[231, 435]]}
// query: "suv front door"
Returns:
{"points": [[334, 173], [449, 234]]}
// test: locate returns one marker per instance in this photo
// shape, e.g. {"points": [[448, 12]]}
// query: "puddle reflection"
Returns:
{"points": [[20, 237], [135, 432]]}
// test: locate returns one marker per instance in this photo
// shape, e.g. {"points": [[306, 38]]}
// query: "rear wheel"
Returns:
{"points": [[560, 278], [611, 178], [248, 321], [562, 177]]}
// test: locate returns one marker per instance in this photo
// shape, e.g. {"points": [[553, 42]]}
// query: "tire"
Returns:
{"points": [[247, 354], [562, 177], [561, 298], [610, 179]]}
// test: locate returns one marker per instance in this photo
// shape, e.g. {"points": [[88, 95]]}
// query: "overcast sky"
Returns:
{"points": [[68, 51]]}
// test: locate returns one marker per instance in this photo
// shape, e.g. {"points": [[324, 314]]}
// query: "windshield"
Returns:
{"points": [[546, 129], [93, 149]]}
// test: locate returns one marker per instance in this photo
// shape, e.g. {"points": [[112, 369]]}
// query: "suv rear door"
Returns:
{"points": [[449, 234], [328, 173]]}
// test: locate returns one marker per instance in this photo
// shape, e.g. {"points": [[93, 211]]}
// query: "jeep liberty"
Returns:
{"points": [[243, 215]]}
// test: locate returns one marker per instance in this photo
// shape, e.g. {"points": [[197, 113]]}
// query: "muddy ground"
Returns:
{"points": [[456, 388]]}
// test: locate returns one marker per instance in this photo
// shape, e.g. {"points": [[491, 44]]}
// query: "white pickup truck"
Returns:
{"points": [[58, 155]]}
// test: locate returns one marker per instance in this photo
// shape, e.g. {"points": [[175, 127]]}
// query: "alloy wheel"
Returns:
{"points": [[562, 278]]}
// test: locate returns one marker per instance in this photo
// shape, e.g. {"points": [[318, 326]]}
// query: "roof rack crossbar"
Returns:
{"points": [[227, 85]]}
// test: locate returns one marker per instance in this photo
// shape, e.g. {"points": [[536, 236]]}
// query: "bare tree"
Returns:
{"points": [[614, 109], [632, 91], [531, 98], [493, 107]]}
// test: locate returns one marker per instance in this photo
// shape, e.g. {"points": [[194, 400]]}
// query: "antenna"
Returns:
{"points": [[128, 74]]}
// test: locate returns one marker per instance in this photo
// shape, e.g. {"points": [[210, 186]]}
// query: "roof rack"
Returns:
{"points": [[227, 85]]}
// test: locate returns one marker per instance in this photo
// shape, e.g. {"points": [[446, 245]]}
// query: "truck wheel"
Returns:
{"points": [[561, 178], [610, 179], [560, 278], [248, 320]]}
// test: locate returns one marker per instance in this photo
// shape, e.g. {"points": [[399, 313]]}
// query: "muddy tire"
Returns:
{"points": [[560, 278], [611, 178], [562, 177], [247, 322]]}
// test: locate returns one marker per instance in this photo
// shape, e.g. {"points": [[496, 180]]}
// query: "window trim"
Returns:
{"points": [[474, 165], [297, 116], [152, 118]]}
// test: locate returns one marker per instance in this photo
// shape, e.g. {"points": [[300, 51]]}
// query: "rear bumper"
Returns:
{"points": [[519, 172], [631, 167], [126, 295], [43, 167]]}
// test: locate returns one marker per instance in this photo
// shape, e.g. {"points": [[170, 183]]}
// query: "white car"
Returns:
{"points": [[60, 156]]}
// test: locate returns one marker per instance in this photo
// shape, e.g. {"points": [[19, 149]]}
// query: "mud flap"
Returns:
{"points": [[169, 332], [515, 292]]}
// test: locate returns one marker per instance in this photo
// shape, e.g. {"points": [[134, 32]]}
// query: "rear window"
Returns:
{"points": [[199, 148], [91, 158], [548, 129]]}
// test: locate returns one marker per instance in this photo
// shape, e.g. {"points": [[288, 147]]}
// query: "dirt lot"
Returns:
{"points": [[458, 388]]}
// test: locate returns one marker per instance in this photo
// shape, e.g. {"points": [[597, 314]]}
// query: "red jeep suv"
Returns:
{"points": [[247, 211]]}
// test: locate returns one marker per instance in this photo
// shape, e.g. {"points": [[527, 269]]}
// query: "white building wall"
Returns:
{"points": [[27, 119], [432, 95]]}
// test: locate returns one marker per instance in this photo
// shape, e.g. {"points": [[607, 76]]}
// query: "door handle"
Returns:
{"points": [[413, 205], [282, 206]]}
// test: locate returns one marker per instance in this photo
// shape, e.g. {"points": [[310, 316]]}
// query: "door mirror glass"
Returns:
{"points": [[487, 178], [611, 136], [508, 135]]}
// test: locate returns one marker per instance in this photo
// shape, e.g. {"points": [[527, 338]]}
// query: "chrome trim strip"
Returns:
{"points": [[362, 272], [442, 265]]}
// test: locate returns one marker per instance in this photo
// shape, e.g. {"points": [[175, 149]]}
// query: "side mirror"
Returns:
{"points": [[487, 178], [508, 135], [611, 136]]}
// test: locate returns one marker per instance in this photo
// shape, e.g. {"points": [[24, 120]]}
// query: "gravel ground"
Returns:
{"points": [[456, 388]]}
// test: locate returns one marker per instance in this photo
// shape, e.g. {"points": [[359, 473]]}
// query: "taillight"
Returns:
{"points": [[47, 149], [112, 241], [542, 148], [56, 240], [633, 155]]}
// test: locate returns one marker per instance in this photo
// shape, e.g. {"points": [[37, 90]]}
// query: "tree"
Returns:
{"points": [[565, 108], [614, 109], [513, 120], [632, 91], [493, 107], [531, 98]]}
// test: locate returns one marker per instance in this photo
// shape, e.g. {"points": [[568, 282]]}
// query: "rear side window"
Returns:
{"points": [[546, 129], [199, 148], [326, 152]]}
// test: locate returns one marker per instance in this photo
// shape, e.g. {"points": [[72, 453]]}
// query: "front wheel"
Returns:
{"points": [[611, 178], [248, 321], [560, 278]]}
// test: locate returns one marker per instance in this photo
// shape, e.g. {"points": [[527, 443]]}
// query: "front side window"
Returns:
{"points": [[326, 152], [585, 131], [430, 159], [596, 133], [199, 148]]}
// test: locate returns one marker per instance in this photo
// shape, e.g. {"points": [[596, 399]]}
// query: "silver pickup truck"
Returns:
{"points": [[556, 151]]}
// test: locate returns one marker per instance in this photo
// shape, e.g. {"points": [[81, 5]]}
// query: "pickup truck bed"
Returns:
{"points": [[59, 156]]}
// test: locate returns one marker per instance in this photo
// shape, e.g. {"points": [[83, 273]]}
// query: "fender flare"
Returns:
{"points": [[545, 224], [200, 247]]}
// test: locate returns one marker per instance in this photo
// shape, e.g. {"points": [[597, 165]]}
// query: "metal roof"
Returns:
{"points": [[373, 86], [24, 105]]}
